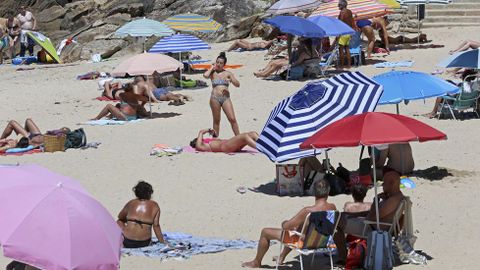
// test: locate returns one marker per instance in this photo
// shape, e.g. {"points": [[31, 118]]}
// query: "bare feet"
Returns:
{"points": [[430, 115], [280, 262], [252, 264]]}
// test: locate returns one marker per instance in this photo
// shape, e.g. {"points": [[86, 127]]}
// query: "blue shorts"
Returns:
{"points": [[158, 92]]}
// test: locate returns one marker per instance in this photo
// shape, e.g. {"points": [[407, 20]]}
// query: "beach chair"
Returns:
{"points": [[330, 60], [356, 48], [311, 241], [461, 102]]}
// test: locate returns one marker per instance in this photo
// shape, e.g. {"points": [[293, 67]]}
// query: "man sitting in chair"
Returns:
{"points": [[322, 189], [354, 224]]}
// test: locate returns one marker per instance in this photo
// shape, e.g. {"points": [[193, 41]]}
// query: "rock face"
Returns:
{"points": [[92, 22]]}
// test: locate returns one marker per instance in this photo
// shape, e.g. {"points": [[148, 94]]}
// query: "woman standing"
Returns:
{"points": [[220, 98]]}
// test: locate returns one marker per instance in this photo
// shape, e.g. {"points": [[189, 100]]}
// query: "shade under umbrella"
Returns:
{"points": [[290, 6], [179, 43], [369, 129], [193, 23], [49, 221], [146, 64], [361, 9], [144, 28], [401, 86], [296, 26], [466, 59], [316, 105], [332, 26]]}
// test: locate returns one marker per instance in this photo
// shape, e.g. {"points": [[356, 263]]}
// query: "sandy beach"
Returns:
{"points": [[197, 192]]}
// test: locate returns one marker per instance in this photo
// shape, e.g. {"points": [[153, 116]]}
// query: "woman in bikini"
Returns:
{"points": [[127, 109], [220, 97], [249, 46], [231, 145], [30, 132], [139, 216]]}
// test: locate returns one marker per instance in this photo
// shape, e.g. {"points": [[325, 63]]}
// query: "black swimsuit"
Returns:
{"points": [[128, 243]]}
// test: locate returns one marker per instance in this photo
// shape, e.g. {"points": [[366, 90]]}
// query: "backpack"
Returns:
{"points": [[379, 251], [337, 184], [356, 254], [76, 139]]}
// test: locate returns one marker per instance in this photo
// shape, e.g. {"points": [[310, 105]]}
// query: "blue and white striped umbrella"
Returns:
{"points": [[144, 28], [316, 105], [420, 2], [179, 43]]}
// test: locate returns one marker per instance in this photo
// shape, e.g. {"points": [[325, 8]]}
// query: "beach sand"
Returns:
{"points": [[197, 192]]}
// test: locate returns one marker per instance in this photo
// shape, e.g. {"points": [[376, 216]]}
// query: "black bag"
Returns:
{"points": [[76, 139], [379, 251], [337, 184]]}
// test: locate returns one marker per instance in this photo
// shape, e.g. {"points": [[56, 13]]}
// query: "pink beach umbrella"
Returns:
{"points": [[146, 64], [49, 221]]}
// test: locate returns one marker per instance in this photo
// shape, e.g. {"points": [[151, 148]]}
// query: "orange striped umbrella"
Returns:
{"points": [[361, 9]]}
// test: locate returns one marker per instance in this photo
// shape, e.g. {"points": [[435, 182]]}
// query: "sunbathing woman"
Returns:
{"points": [[465, 45], [30, 132], [113, 90], [250, 46], [127, 109], [220, 97], [149, 89], [231, 145], [139, 216]]}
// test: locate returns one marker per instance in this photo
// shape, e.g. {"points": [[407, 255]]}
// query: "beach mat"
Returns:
{"points": [[109, 122], [245, 150], [394, 64], [207, 66], [104, 98]]}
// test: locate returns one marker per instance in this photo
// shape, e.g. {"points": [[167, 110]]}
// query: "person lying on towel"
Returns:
{"points": [[322, 189], [250, 46], [139, 216], [234, 144]]}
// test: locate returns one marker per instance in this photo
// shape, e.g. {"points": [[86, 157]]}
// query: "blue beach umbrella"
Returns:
{"points": [[401, 86], [179, 43], [467, 59], [316, 105], [297, 26], [332, 26]]}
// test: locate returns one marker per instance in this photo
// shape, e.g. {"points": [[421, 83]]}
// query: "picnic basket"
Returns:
{"points": [[53, 143]]}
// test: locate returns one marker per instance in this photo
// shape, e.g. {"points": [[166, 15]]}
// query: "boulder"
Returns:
{"points": [[71, 53], [262, 30], [134, 10], [48, 27], [239, 30], [51, 14], [119, 19], [96, 33]]}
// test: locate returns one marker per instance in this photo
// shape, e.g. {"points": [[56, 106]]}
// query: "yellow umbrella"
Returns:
{"points": [[390, 3]]}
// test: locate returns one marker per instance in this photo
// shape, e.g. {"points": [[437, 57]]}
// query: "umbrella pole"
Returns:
{"points": [[377, 215], [149, 101], [328, 161], [398, 108], [180, 58]]}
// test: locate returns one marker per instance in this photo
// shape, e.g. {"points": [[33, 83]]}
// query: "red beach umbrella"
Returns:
{"points": [[372, 128]]}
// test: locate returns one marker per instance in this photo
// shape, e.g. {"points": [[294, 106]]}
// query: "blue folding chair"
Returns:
{"points": [[356, 48]]}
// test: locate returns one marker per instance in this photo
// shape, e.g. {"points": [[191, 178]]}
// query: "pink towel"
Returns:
{"points": [[104, 98]]}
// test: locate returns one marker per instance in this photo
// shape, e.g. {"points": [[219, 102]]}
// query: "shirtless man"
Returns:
{"points": [[345, 16], [353, 224], [249, 46], [149, 89], [235, 144], [358, 205], [397, 156], [27, 23], [322, 188]]}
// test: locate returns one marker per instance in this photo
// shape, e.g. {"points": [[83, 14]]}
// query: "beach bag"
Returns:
{"points": [[379, 251], [337, 184], [295, 73], [76, 139], [288, 179], [54, 143], [356, 254], [309, 184]]}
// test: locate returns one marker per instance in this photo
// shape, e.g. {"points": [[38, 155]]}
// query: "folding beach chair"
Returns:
{"points": [[356, 48], [310, 239], [330, 60]]}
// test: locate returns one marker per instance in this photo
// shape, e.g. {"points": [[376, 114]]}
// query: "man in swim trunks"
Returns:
{"points": [[250, 46], [149, 89], [322, 189], [234, 144], [345, 16]]}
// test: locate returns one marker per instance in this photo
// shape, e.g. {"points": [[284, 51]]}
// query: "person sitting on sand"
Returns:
{"points": [[353, 223], [112, 90], [127, 109], [250, 46], [149, 89], [358, 193], [398, 157], [470, 83], [322, 189], [139, 216], [234, 144], [465, 45]]}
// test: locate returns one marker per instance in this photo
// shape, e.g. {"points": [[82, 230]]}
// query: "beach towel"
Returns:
{"points": [[32, 151], [92, 75], [104, 98], [198, 61], [161, 150], [207, 66], [245, 150], [394, 64], [106, 122], [245, 50], [183, 246]]}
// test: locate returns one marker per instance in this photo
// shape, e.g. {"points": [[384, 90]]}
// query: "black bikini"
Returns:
{"points": [[128, 243]]}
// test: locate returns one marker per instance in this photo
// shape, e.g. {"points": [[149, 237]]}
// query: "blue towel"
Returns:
{"points": [[244, 50], [105, 122], [20, 150], [394, 64], [183, 246]]}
